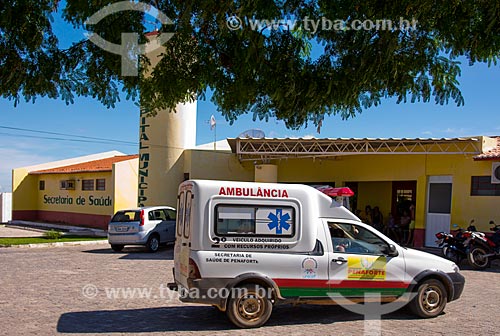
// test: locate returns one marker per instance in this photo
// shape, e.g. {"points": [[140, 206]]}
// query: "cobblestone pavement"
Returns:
{"points": [[41, 294]]}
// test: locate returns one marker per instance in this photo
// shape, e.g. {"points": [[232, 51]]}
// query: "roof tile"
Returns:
{"points": [[493, 154], [89, 166]]}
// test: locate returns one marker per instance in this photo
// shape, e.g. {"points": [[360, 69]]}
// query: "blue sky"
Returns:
{"points": [[480, 86]]}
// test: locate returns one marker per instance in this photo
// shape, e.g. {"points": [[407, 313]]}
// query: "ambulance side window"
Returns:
{"points": [[187, 215], [235, 220], [180, 212], [242, 220], [354, 239]]}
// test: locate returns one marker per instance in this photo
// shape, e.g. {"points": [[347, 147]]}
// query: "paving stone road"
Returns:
{"points": [[52, 291]]}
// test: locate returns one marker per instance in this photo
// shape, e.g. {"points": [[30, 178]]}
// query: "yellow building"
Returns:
{"points": [[83, 191], [448, 181]]}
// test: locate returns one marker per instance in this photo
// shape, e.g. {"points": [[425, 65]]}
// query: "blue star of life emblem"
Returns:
{"points": [[278, 221]]}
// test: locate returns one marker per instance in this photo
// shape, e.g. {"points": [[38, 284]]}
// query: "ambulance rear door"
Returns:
{"points": [[183, 233]]}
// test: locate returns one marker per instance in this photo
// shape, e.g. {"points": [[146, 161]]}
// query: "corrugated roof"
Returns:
{"points": [[367, 139], [493, 154], [89, 166]]}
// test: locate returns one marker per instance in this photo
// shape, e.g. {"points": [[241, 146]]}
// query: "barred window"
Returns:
{"points": [[482, 186], [100, 184], [41, 185], [67, 185], [87, 184]]}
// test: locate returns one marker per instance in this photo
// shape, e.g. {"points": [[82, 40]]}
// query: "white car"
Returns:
{"points": [[246, 247], [149, 226]]}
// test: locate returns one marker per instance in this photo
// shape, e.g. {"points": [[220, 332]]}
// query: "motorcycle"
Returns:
{"points": [[483, 249], [452, 247]]}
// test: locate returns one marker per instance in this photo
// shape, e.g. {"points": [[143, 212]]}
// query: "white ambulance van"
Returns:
{"points": [[244, 247]]}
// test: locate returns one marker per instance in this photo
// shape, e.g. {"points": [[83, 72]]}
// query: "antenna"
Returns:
{"points": [[253, 134]]}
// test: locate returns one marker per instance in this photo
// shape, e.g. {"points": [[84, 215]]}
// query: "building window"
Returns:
{"points": [[100, 184], [41, 185], [87, 184], [67, 185], [482, 186]]}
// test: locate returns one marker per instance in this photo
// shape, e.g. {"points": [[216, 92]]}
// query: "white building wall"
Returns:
{"points": [[6, 207]]}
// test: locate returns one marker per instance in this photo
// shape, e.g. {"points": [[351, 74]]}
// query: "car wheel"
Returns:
{"points": [[477, 258], [117, 248], [249, 306], [430, 299], [153, 243]]}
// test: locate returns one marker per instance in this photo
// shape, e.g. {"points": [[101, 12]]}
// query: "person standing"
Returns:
{"points": [[377, 219], [392, 228], [411, 226], [405, 221], [368, 219]]}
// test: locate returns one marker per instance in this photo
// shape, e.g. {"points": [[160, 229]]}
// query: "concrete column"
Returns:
{"points": [[163, 139]]}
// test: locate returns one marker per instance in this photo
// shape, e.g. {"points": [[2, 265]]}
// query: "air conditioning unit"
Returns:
{"points": [[495, 172]]}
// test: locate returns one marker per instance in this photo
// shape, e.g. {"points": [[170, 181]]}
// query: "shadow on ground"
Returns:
{"points": [[198, 318], [137, 253]]}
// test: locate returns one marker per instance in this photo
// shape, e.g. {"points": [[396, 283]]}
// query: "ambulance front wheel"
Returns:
{"points": [[430, 299], [249, 306]]}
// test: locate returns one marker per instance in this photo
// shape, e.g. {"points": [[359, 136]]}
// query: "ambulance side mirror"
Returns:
{"points": [[391, 250]]}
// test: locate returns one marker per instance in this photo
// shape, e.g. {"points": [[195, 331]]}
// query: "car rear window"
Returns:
{"points": [[126, 216]]}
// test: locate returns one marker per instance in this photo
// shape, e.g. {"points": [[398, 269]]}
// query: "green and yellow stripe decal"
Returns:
{"points": [[347, 288]]}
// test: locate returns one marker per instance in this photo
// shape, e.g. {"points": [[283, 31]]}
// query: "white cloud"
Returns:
{"points": [[273, 134], [427, 133], [458, 132]]}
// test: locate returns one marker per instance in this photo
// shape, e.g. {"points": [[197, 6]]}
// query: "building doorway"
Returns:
{"points": [[404, 193], [438, 207]]}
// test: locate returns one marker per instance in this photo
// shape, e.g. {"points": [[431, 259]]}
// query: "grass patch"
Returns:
{"points": [[41, 240]]}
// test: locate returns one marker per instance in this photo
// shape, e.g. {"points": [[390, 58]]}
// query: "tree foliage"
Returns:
{"points": [[265, 71]]}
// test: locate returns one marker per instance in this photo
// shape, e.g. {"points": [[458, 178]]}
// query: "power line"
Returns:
{"points": [[62, 139], [63, 134]]}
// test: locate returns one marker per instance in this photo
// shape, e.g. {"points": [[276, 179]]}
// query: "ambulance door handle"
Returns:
{"points": [[339, 260]]}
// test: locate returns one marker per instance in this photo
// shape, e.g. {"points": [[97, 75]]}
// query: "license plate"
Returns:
{"points": [[121, 228]]}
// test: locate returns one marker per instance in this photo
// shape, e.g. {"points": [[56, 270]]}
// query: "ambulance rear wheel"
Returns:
{"points": [[430, 299], [249, 306]]}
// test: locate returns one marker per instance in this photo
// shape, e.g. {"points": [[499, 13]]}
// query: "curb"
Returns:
{"points": [[58, 244], [28, 225]]}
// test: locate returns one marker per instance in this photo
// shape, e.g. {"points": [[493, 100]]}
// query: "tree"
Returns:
{"points": [[267, 70]]}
